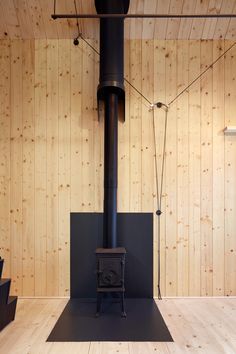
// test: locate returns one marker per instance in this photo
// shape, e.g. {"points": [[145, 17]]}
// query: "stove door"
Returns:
{"points": [[110, 272]]}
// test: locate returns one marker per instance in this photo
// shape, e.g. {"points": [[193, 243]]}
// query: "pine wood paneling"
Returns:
{"points": [[194, 169], [171, 172], [147, 158], [135, 125], [88, 89], [198, 24], [218, 170], [10, 20], [16, 158], [230, 170], [64, 165], [52, 167], [35, 14], [206, 171], [98, 142], [28, 186], [182, 169], [51, 160], [21, 9], [41, 158], [123, 197], [5, 162], [32, 19], [76, 123]]}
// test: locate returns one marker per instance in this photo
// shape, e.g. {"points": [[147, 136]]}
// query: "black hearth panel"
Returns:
{"points": [[134, 233], [143, 323]]}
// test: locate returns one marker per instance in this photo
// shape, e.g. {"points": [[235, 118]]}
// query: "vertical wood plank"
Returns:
{"points": [[230, 173], [135, 27], [186, 23], [218, 170], [76, 125], [161, 24], [135, 126], [123, 147], [28, 263], [16, 166], [171, 172], [148, 23], [64, 165], [201, 7], [147, 150], [35, 13], [40, 167], [174, 23], [5, 240], [194, 170], [9, 12], [182, 170], [87, 195], [206, 170], [3, 26], [22, 14], [98, 130], [222, 24], [49, 24], [52, 170]]}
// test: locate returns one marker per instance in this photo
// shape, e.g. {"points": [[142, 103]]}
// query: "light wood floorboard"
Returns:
{"points": [[206, 325]]}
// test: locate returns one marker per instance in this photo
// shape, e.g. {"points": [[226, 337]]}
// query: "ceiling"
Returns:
{"points": [[32, 19]]}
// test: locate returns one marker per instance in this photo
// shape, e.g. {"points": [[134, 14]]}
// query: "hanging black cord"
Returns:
{"points": [[159, 189]]}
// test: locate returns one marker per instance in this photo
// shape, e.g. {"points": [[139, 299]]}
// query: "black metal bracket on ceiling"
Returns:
{"points": [[56, 16]]}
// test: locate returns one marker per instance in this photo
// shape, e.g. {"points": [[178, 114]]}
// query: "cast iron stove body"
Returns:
{"points": [[110, 274], [111, 98]]}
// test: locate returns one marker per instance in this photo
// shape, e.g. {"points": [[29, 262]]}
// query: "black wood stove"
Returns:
{"points": [[110, 274], [111, 98]]}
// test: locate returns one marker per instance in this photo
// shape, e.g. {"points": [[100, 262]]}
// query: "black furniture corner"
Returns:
{"points": [[7, 303]]}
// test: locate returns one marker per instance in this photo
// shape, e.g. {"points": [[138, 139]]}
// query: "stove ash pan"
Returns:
{"points": [[110, 274]]}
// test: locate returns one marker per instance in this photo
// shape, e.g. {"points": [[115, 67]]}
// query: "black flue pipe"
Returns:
{"points": [[111, 96], [110, 170], [111, 73]]}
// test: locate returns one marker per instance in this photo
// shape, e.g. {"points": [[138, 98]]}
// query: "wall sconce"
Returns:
{"points": [[230, 130]]}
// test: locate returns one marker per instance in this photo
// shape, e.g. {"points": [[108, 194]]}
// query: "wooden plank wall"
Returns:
{"points": [[51, 159]]}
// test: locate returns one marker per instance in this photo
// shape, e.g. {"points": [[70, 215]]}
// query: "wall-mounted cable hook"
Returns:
{"points": [[159, 105]]}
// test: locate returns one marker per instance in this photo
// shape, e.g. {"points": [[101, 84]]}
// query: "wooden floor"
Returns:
{"points": [[197, 326]]}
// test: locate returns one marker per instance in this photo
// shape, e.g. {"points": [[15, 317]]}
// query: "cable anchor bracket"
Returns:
{"points": [[159, 105]]}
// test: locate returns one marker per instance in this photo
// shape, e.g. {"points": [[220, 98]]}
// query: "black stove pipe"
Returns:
{"points": [[110, 171], [111, 96]]}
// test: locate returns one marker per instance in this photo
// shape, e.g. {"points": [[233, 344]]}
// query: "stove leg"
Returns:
{"points": [[123, 313], [99, 304]]}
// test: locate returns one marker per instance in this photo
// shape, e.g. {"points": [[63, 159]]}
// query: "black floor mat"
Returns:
{"points": [[78, 323]]}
